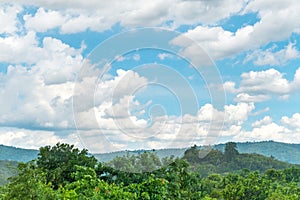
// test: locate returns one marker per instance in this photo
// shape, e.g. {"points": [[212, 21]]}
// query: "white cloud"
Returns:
{"points": [[19, 49], [265, 121], [238, 114], [296, 82], [244, 97], [37, 90], [217, 42], [269, 81], [43, 20], [274, 58], [293, 122], [31, 139], [38, 93], [276, 23], [118, 129], [271, 131], [110, 102], [258, 86], [266, 129], [97, 15], [163, 56], [278, 19], [31, 103], [8, 18]]}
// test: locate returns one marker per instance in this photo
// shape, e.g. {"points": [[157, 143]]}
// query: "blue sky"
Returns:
{"points": [[114, 75]]}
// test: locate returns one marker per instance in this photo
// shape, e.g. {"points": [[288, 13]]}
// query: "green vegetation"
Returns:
{"points": [[64, 172], [230, 161], [281, 151], [7, 169]]}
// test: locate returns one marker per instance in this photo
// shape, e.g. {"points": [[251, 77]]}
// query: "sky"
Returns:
{"points": [[124, 75]]}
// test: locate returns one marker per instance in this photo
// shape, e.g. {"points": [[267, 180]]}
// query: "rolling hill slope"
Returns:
{"points": [[17, 154], [281, 151]]}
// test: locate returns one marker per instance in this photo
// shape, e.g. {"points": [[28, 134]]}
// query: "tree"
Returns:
{"points": [[230, 151], [192, 154], [30, 183], [59, 161]]}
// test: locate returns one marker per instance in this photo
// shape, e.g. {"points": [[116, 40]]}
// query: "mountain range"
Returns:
{"points": [[281, 151]]}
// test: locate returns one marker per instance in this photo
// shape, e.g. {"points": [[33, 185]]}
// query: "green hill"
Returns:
{"points": [[161, 153], [204, 161], [231, 160], [281, 151], [17, 154]]}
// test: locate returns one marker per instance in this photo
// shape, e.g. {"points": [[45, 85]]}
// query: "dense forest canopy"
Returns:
{"points": [[64, 172]]}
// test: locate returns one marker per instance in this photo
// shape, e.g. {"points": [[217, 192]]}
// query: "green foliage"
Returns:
{"points": [[230, 161], [231, 151], [59, 162], [7, 169], [29, 184], [153, 188], [88, 186], [144, 162], [178, 180]]}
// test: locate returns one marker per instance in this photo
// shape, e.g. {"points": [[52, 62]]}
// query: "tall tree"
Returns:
{"points": [[230, 151], [59, 162]]}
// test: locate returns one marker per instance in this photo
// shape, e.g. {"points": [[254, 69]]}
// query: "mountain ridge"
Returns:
{"points": [[282, 151]]}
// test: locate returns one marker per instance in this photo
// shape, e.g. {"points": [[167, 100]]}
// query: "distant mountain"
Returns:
{"points": [[17, 154], [281, 151], [161, 153]]}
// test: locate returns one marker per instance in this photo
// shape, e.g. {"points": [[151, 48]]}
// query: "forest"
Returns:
{"points": [[65, 172]]}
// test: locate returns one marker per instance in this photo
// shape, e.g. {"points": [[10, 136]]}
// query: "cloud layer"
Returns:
{"points": [[39, 67]]}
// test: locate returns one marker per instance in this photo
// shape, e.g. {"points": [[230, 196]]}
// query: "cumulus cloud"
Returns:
{"points": [[37, 23], [166, 131], [34, 139], [8, 18], [265, 121], [258, 86], [19, 49], [266, 129], [244, 97], [37, 90], [292, 122], [276, 23], [274, 58], [96, 15], [38, 93]]}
